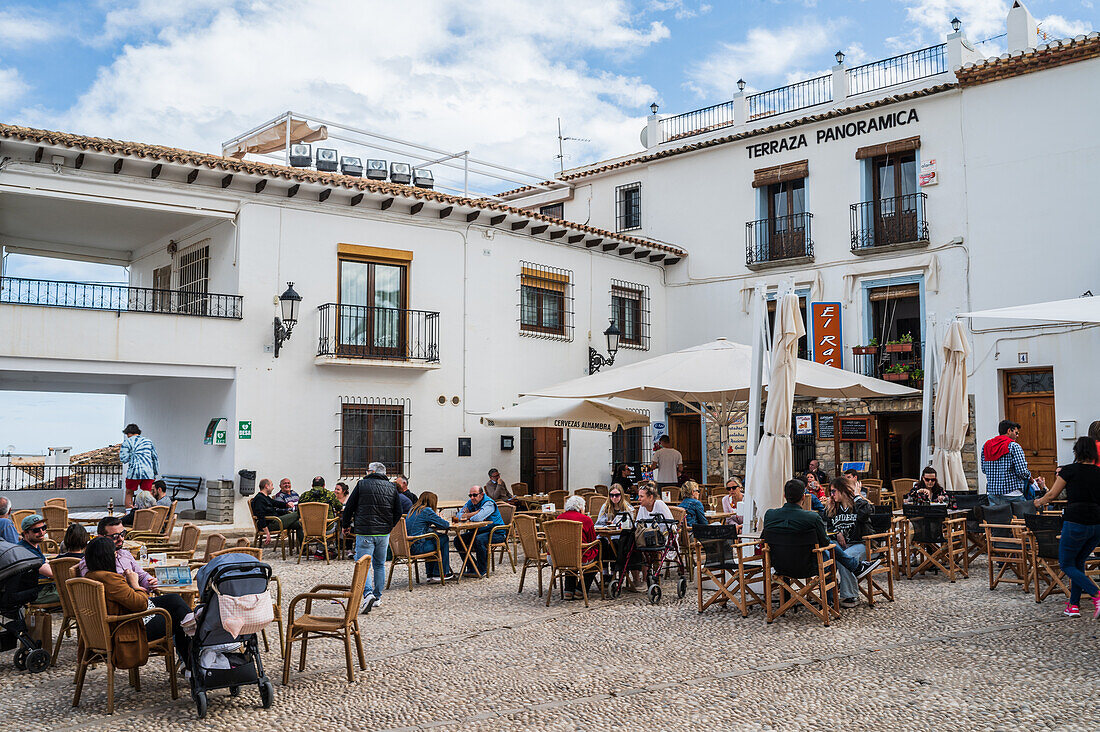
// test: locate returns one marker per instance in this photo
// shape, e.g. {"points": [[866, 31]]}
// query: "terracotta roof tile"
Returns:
{"points": [[161, 153], [100, 456], [1046, 56]]}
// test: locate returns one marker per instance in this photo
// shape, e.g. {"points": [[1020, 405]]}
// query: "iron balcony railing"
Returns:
{"points": [[118, 298], [358, 331], [696, 121], [779, 238], [897, 69], [791, 98], [888, 221], [59, 477]]}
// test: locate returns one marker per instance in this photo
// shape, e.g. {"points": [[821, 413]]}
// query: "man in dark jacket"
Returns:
{"points": [[375, 508]]}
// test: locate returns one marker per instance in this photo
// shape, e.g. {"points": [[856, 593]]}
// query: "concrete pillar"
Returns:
{"points": [[652, 131], [740, 108], [1022, 28], [959, 51], [840, 83]]}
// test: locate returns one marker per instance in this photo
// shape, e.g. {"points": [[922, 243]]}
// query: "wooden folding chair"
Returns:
{"points": [[534, 548], [880, 545], [975, 510], [874, 490], [937, 542], [566, 547], [802, 573], [1043, 537], [1005, 548], [731, 566]]}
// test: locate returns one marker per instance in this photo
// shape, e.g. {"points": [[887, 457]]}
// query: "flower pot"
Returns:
{"points": [[899, 347], [864, 350], [917, 383], [896, 377]]}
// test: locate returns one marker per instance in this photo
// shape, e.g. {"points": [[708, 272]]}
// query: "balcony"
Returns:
{"points": [[29, 477], [117, 298], [783, 240], [889, 224], [357, 334], [896, 70]]}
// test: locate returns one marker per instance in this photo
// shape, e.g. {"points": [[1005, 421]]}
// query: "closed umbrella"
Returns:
{"points": [[952, 411], [773, 464]]}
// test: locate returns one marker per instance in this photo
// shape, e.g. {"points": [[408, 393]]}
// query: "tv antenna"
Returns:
{"points": [[561, 149]]}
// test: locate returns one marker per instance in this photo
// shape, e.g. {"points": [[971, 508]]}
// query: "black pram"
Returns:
{"points": [[19, 586], [218, 659]]}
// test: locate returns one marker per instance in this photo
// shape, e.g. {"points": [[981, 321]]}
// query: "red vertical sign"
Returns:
{"points": [[828, 343]]}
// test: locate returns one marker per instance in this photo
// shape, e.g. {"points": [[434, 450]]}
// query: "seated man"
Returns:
{"points": [[402, 483], [8, 532], [479, 508], [267, 513], [317, 493], [160, 493], [791, 518], [496, 488], [34, 531], [286, 497]]}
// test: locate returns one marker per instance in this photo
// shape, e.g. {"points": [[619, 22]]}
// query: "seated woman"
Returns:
{"points": [[689, 501], [734, 494], [574, 511], [617, 504], [423, 519], [927, 489], [125, 595], [75, 541], [848, 516]]}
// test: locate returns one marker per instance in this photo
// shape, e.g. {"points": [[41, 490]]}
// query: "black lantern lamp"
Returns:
{"points": [[956, 24], [653, 108], [596, 360], [839, 57], [740, 85], [289, 303]]}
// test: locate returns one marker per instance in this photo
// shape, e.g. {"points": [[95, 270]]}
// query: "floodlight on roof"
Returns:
{"points": [[301, 155], [351, 166], [376, 170], [401, 173], [423, 178], [327, 158]]}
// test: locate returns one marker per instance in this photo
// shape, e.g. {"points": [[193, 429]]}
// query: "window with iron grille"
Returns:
{"points": [[545, 302], [374, 430], [631, 446], [628, 207], [557, 210], [630, 311], [194, 278]]}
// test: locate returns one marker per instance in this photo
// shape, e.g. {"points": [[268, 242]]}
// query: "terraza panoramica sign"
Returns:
{"points": [[836, 132]]}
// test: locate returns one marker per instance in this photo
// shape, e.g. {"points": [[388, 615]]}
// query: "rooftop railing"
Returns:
{"points": [[60, 477], [697, 121], [897, 69], [791, 98], [117, 298]]}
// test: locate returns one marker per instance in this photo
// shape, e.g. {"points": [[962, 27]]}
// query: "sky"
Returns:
{"points": [[489, 76]]}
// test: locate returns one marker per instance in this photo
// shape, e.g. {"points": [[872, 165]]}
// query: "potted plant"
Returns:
{"points": [[869, 350], [916, 378], [897, 372], [904, 344]]}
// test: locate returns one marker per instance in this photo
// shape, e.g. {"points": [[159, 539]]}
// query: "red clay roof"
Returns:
{"points": [[1047, 56], [161, 153]]}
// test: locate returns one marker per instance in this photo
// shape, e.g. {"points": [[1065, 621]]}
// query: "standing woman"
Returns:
{"points": [[1080, 521]]}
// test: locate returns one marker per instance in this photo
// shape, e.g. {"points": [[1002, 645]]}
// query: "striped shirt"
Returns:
{"points": [[139, 456]]}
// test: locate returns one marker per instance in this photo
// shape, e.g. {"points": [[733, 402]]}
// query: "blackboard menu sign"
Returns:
{"points": [[826, 426], [855, 429]]}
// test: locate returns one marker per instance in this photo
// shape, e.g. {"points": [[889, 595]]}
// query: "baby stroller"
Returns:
{"points": [[220, 660], [654, 549], [19, 586]]}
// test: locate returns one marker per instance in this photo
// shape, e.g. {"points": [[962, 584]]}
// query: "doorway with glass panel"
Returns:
{"points": [[371, 322]]}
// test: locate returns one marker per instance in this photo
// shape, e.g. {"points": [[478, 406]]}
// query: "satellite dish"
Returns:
{"points": [[644, 136]]}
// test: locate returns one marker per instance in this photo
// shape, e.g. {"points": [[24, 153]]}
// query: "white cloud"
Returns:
{"points": [[1057, 26], [20, 27], [764, 55], [931, 21], [12, 87], [681, 10], [481, 75]]}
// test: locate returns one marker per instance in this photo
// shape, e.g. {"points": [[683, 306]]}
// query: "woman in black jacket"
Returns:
{"points": [[848, 516]]}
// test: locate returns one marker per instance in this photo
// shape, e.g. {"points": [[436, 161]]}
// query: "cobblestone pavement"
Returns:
{"points": [[478, 656]]}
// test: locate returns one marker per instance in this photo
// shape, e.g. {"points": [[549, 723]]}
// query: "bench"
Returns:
{"points": [[183, 487]]}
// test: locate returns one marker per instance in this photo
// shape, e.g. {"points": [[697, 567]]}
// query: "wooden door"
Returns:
{"points": [[1029, 400], [547, 446], [685, 433]]}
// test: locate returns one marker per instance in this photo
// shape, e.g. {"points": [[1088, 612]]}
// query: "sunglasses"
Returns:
{"points": [[616, 495], [474, 495], [119, 536], [36, 530], [929, 480]]}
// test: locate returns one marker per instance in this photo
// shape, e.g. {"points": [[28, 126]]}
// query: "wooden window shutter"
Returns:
{"points": [[780, 173], [885, 148]]}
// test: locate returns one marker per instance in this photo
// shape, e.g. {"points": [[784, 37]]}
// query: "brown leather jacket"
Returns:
{"points": [[130, 644]]}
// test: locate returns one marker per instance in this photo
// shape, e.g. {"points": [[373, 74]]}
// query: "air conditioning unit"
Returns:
{"points": [[401, 173], [376, 170], [301, 155], [351, 166], [327, 159], [423, 178]]}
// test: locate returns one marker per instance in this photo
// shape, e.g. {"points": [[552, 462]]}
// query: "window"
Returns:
{"points": [[896, 312], [162, 283], [630, 311], [194, 279], [556, 210], [372, 315], [546, 301], [786, 219], [373, 430], [628, 207], [803, 342], [631, 446], [896, 208]]}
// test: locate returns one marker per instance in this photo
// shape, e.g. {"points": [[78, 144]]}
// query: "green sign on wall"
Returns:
{"points": [[244, 429]]}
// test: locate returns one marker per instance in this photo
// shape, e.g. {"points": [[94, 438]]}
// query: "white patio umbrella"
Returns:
{"points": [[952, 410], [773, 463], [1074, 310], [577, 414]]}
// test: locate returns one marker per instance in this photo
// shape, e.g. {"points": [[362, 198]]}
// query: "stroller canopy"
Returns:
{"points": [[240, 563], [15, 559]]}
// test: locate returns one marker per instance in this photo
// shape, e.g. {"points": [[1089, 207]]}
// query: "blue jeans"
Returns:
{"points": [[375, 546], [1001, 500], [481, 548], [845, 577], [1078, 541], [847, 561], [423, 546]]}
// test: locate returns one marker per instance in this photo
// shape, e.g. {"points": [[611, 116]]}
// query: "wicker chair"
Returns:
{"points": [[566, 548], [1043, 533], [282, 536], [1005, 547], [724, 563], [594, 503], [57, 521], [97, 638], [937, 542], [55, 501], [600, 488], [519, 489], [18, 516], [314, 518], [252, 551], [501, 542], [214, 543], [64, 569], [534, 547], [144, 520], [557, 498], [188, 543], [341, 627], [899, 488], [401, 548], [874, 490], [159, 530], [584, 492], [802, 573]]}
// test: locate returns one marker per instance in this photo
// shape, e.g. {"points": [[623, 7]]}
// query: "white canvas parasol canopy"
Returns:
{"points": [[952, 411], [576, 414], [1079, 310], [270, 139]]}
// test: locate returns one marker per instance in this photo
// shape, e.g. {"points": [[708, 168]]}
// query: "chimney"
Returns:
{"points": [[58, 456], [1022, 28]]}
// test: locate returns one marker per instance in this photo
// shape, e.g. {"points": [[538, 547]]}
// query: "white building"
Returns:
{"points": [[905, 190]]}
